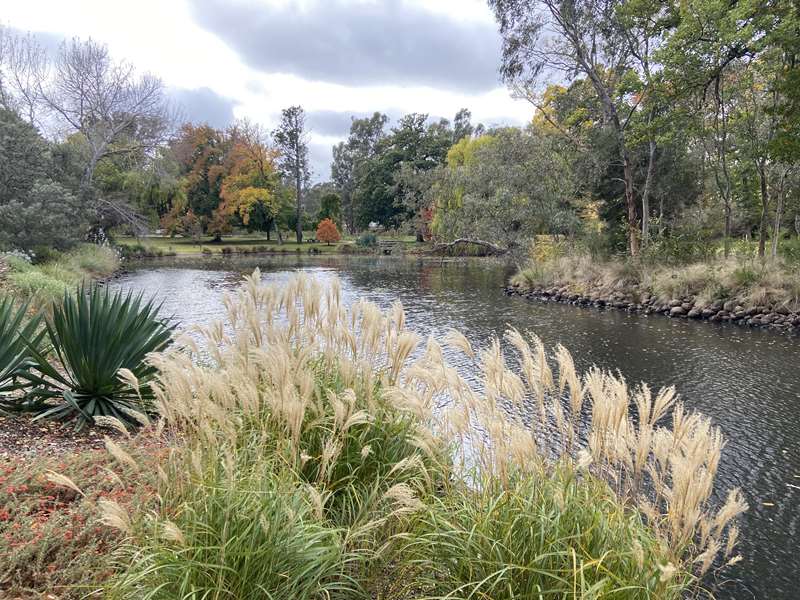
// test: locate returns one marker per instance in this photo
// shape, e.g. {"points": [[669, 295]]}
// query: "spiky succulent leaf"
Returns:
{"points": [[94, 334], [17, 333]]}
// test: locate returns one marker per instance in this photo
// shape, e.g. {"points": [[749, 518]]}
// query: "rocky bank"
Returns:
{"points": [[778, 318]]}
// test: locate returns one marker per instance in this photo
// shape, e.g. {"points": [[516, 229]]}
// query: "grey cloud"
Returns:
{"points": [[331, 123], [364, 44], [319, 158], [204, 105], [337, 124]]}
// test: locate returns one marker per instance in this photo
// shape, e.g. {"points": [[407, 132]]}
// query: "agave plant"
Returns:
{"points": [[16, 336], [95, 334]]}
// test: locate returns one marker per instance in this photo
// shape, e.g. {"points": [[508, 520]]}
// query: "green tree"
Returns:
{"points": [[385, 194], [503, 188], [349, 162], [589, 38], [330, 208], [35, 211]]}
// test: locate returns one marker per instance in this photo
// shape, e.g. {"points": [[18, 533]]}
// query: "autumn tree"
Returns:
{"points": [[249, 186], [291, 139], [328, 232]]}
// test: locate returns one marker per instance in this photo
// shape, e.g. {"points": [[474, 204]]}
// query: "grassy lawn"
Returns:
{"points": [[248, 243]]}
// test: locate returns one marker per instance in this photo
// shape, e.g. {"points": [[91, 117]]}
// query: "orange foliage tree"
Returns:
{"points": [[252, 178], [328, 232]]}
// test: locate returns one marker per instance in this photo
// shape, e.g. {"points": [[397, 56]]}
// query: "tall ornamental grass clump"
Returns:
{"points": [[96, 365], [561, 536], [323, 453]]}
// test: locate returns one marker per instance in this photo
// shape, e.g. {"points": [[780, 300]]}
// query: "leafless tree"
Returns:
{"points": [[23, 68], [116, 110]]}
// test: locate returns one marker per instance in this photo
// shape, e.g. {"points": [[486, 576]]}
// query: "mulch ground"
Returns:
{"points": [[21, 437]]}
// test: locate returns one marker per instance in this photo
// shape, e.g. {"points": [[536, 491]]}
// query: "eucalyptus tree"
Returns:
{"points": [[349, 159], [291, 140], [553, 38], [502, 189], [734, 61]]}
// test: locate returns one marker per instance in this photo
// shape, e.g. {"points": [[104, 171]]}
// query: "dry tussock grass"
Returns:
{"points": [[745, 281]]}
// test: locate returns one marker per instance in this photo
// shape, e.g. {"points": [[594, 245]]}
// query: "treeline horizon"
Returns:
{"points": [[669, 127]]}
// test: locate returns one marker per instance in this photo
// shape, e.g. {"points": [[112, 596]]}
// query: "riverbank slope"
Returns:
{"points": [[46, 281], [744, 292]]}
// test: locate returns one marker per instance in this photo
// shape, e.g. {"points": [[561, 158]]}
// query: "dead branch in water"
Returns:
{"points": [[494, 249]]}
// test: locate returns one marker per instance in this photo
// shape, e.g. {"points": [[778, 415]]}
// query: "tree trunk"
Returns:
{"points": [[648, 184], [778, 215], [619, 129], [727, 238], [347, 201], [762, 227], [298, 184], [630, 202], [278, 231], [776, 232]]}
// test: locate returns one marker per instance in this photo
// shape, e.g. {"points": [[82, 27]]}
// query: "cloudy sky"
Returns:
{"points": [[227, 59]]}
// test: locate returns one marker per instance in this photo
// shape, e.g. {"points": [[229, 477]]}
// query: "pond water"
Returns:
{"points": [[747, 380]]}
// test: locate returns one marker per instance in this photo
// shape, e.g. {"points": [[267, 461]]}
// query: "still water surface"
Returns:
{"points": [[748, 381]]}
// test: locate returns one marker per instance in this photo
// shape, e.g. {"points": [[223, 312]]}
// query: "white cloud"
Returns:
{"points": [[161, 36]]}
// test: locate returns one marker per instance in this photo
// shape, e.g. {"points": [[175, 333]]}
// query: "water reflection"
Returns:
{"points": [[746, 380]]}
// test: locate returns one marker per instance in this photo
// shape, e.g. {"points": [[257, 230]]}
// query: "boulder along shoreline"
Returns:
{"points": [[775, 318]]}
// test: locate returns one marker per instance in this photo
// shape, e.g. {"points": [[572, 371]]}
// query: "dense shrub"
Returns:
{"points": [[744, 280], [47, 282], [557, 536], [367, 240], [35, 210]]}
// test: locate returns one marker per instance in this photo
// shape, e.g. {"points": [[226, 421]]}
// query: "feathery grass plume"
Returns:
{"points": [[114, 516], [119, 454], [112, 423], [171, 532], [456, 339], [404, 499], [62, 481], [113, 476]]}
